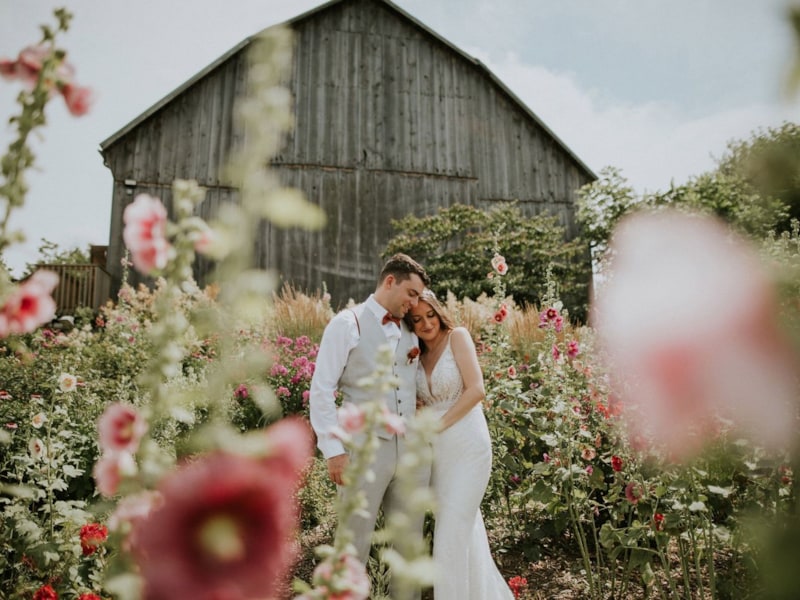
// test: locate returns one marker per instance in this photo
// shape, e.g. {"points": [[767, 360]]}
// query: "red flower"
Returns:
{"points": [[89, 597], [413, 354], [92, 535], [616, 463], [226, 524], [46, 592], [517, 585], [658, 519]]}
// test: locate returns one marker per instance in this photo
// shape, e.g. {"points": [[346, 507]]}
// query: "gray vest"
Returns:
{"points": [[362, 362]]}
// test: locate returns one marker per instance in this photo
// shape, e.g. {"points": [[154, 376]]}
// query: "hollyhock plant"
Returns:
{"points": [[225, 526], [30, 305], [120, 428], [145, 233], [689, 321], [67, 382]]}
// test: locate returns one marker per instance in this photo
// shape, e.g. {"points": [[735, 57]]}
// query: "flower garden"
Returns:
{"points": [[160, 447]]}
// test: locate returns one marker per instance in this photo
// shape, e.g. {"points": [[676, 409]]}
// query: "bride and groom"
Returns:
{"points": [[403, 313]]}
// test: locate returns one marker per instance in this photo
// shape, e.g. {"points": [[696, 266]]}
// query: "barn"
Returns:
{"points": [[391, 119]]}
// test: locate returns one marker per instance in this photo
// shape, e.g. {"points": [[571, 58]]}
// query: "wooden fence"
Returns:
{"points": [[79, 286]]}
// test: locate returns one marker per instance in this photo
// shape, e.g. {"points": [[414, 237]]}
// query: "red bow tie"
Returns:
{"points": [[390, 317]]}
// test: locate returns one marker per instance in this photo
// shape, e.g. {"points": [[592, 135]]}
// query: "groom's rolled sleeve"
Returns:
{"points": [[337, 341]]}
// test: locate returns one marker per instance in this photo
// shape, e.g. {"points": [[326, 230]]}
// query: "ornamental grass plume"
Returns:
{"points": [[689, 322], [225, 524]]}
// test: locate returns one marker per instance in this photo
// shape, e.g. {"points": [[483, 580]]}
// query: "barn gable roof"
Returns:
{"points": [[111, 140]]}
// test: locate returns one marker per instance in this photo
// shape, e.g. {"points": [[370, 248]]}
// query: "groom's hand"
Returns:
{"points": [[336, 467]]}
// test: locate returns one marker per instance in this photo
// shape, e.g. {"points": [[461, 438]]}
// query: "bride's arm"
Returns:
{"points": [[467, 360]]}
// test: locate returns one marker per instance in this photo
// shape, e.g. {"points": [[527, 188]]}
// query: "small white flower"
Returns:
{"points": [[38, 420], [67, 382], [37, 448]]}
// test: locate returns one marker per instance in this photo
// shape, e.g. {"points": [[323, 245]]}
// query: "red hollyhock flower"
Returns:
{"points": [[658, 519], [633, 492], [226, 524], [89, 597], [92, 535], [46, 592], [517, 585], [616, 463]]}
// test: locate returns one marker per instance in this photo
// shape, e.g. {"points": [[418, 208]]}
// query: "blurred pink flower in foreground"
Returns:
{"points": [[342, 577], [145, 233], [28, 66], [120, 428], [689, 322], [29, 305], [225, 527]]}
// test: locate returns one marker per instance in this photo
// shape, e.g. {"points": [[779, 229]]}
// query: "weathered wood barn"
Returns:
{"points": [[391, 119]]}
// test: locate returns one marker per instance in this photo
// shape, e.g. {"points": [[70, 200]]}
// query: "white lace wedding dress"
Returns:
{"points": [[462, 460]]}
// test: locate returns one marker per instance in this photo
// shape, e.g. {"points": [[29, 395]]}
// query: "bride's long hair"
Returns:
{"points": [[445, 321]]}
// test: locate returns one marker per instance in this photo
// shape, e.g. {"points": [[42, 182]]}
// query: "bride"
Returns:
{"points": [[449, 382]]}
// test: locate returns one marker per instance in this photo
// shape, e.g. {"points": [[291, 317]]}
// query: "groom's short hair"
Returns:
{"points": [[402, 267]]}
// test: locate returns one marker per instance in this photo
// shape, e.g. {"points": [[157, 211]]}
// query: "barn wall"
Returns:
{"points": [[390, 121]]}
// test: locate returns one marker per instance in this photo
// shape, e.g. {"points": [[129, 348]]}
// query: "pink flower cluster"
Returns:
{"points": [[550, 317], [145, 233], [225, 525], [292, 368], [28, 67], [29, 305], [339, 576]]}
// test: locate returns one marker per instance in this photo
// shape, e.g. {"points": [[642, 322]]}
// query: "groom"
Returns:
{"points": [[348, 353]]}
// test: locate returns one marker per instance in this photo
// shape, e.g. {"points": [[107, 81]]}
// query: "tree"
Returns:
{"points": [[755, 189], [456, 246]]}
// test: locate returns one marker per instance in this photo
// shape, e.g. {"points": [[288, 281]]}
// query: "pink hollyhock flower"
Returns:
{"points": [[689, 320], [8, 69], [145, 233], [512, 372], [499, 316], [588, 453], [29, 305], [78, 98], [109, 470], [120, 427], [282, 391], [546, 457], [341, 577], [351, 418], [241, 391], [92, 535], [132, 508], [46, 592], [573, 349], [393, 423], [556, 353], [633, 492], [225, 527], [616, 463], [501, 268], [497, 259], [29, 64]]}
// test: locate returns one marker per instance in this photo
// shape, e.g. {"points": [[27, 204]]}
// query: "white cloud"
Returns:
{"points": [[652, 143]]}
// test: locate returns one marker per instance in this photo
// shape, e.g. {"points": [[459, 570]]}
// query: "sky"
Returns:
{"points": [[655, 88]]}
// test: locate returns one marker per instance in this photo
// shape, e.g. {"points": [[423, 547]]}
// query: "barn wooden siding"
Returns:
{"points": [[390, 120]]}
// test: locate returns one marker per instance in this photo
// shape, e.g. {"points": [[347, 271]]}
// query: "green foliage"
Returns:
{"points": [[755, 189], [51, 254], [457, 244]]}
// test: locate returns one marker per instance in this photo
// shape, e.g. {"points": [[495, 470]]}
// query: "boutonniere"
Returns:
{"points": [[413, 355]]}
